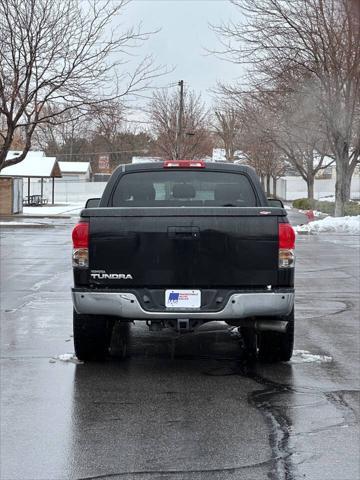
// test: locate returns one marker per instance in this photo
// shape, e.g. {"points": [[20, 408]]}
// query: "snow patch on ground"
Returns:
{"points": [[332, 224], [58, 209], [66, 357], [303, 356]]}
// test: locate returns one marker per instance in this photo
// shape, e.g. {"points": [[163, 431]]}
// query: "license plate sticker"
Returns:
{"points": [[183, 298]]}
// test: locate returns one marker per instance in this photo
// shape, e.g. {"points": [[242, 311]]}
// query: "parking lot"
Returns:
{"points": [[180, 407]]}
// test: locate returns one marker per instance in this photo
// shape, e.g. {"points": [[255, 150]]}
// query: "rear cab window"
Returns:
{"points": [[184, 188]]}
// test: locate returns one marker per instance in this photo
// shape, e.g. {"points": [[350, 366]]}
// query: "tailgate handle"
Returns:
{"points": [[184, 233]]}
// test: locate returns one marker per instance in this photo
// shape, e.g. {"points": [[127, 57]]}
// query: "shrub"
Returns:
{"points": [[325, 207], [304, 203], [351, 208]]}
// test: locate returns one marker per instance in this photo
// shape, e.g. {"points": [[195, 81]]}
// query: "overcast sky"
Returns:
{"points": [[184, 35]]}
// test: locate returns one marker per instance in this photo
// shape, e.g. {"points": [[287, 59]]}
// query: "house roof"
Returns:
{"points": [[35, 164], [74, 167], [145, 159]]}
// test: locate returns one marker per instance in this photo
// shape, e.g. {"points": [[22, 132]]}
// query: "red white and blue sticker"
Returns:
{"points": [[182, 298]]}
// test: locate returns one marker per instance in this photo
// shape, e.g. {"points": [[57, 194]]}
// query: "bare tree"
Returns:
{"points": [[266, 160], [109, 120], [106, 131], [105, 120], [294, 125], [278, 130], [59, 56], [313, 40], [71, 130], [288, 120], [259, 149], [227, 127], [195, 139]]}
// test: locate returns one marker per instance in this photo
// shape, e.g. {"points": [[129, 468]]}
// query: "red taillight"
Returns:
{"points": [[184, 164], [80, 235], [286, 246], [286, 236]]}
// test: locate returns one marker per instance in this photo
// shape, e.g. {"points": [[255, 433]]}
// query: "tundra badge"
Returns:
{"points": [[102, 275]]}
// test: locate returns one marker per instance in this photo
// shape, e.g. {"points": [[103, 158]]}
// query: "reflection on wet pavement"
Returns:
{"points": [[177, 407]]}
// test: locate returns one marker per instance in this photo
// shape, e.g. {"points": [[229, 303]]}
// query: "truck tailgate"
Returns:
{"points": [[189, 247]]}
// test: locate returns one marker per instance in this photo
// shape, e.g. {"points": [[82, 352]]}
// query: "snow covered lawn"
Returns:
{"points": [[332, 224], [58, 209]]}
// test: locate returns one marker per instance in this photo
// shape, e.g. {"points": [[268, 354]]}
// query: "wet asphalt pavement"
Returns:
{"points": [[178, 408]]}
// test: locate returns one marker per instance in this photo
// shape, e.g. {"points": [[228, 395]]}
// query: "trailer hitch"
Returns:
{"points": [[183, 325]]}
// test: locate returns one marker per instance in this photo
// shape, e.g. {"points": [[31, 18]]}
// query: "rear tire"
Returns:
{"points": [[92, 336], [120, 340], [249, 338], [277, 347]]}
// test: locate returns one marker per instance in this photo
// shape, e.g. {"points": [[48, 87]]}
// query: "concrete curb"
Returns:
{"points": [[15, 217], [305, 233], [26, 225]]}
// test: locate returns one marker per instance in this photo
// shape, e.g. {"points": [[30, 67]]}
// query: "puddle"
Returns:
{"points": [[301, 422], [303, 356], [305, 310]]}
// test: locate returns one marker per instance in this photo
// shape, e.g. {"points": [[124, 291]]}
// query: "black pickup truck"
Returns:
{"points": [[181, 243]]}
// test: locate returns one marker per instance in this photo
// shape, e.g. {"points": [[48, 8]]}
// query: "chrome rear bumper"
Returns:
{"points": [[239, 305]]}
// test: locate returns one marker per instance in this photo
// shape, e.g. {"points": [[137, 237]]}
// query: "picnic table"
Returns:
{"points": [[34, 201]]}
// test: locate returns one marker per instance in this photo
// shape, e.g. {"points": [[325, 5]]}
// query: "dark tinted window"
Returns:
{"points": [[184, 188]]}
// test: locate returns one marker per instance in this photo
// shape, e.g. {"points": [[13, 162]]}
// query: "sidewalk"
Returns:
{"points": [[32, 216], [62, 210]]}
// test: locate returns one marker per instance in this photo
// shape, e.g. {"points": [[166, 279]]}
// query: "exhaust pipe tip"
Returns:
{"points": [[271, 326], [155, 325]]}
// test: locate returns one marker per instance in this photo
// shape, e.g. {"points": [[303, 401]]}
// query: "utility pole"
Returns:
{"points": [[180, 118]]}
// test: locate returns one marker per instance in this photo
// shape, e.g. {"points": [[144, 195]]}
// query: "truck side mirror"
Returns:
{"points": [[92, 202], [275, 202]]}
